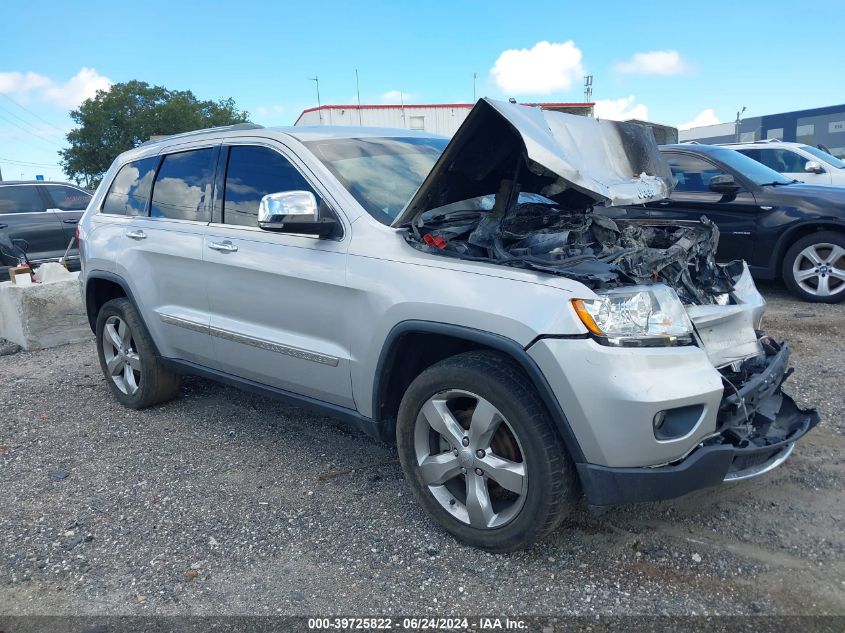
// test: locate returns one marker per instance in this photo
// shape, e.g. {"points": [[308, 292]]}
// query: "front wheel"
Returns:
{"points": [[480, 454], [814, 267]]}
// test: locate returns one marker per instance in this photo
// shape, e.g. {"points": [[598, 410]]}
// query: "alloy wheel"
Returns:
{"points": [[819, 269], [470, 459], [123, 363]]}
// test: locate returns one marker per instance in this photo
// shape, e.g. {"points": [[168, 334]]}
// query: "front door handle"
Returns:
{"points": [[70, 220], [136, 235], [3, 226], [664, 203], [223, 247]]}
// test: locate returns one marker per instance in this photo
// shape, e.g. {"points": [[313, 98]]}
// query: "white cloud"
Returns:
{"points": [[621, 109], [78, 88], [654, 63], [705, 117], [21, 83], [544, 68], [395, 96]]}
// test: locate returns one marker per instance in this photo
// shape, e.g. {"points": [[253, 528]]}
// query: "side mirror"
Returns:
{"points": [[294, 212], [723, 183], [813, 167]]}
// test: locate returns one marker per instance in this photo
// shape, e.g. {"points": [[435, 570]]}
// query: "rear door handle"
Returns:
{"points": [[3, 226], [70, 220], [136, 235], [664, 203], [223, 247]]}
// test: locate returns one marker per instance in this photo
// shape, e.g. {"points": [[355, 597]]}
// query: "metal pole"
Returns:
{"points": [[474, 75], [319, 108], [358, 90], [737, 124], [402, 102]]}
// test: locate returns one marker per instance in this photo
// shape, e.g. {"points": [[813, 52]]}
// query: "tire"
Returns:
{"points": [[482, 401], [139, 378], [814, 267]]}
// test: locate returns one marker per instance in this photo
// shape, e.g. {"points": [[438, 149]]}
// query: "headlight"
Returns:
{"points": [[636, 316]]}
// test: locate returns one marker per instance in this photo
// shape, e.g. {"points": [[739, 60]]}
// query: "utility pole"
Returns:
{"points": [[737, 124], [588, 88], [358, 90], [474, 76], [319, 108], [1, 174]]}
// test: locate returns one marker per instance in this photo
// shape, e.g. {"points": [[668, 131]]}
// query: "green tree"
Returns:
{"points": [[126, 115]]}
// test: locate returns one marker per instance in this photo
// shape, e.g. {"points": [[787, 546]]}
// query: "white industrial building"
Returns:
{"points": [[438, 118]]}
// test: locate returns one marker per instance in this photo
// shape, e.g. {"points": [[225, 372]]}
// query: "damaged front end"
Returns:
{"points": [[517, 187]]}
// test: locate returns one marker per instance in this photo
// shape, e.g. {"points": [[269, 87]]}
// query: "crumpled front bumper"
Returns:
{"points": [[759, 425]]}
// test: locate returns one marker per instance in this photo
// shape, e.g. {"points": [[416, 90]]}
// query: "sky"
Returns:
{"points": [[673, 62]]}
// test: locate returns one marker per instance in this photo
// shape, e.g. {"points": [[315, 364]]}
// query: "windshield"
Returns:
{"points": [[756, 172], [824, 156], [381, 173]]}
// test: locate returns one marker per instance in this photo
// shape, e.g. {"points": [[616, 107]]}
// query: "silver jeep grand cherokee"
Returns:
{"points": [[459, 296]]}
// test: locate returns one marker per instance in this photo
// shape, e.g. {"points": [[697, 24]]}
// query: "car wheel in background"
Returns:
{"points": [[133, 371], [480, 454], [814, 267]]}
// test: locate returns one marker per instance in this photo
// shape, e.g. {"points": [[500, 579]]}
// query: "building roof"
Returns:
{"points": [[443, 106]]}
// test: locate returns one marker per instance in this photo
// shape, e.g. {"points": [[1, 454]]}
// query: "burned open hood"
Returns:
{"points": [[576, 161]]}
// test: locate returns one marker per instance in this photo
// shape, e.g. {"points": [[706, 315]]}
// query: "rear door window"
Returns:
{"points": [[67, 198], [182, 188], [20, 199], [130, 190]]}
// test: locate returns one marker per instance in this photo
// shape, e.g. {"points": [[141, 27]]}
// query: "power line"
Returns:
{"points": [[35, 134], [29, 123], [33, 114], [26, 163]]}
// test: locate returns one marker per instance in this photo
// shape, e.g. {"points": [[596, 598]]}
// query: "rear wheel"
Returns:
{"points": [[814, 267], [480, 454], [134, 373]]}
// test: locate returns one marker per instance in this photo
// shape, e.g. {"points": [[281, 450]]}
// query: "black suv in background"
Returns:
{"points": [[40, 217], [781, 227]]}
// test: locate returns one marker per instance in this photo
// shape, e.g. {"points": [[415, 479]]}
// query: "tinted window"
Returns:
{"points": [[67, 198], [782, 160], [131, 188], [252, 173], [756, 172], [20, 199], [182, 188], [691, 173]]}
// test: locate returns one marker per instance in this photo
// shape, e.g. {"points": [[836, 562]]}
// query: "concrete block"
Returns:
{"points": [[43, 315]]}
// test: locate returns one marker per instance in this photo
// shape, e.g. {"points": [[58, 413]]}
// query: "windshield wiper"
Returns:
{"points": [[776, 183]]}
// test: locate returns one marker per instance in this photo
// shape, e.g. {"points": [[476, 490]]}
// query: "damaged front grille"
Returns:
{"points": [[590, 248]]}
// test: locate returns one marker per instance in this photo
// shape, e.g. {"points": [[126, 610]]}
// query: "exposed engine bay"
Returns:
{"points": [[592, 249], [520, 187]]}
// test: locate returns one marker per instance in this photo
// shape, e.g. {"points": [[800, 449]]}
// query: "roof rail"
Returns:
{"points": [[761, 141], [219, 128]]}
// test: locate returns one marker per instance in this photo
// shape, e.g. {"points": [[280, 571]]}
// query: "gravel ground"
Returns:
{"points": [[225, 503]]}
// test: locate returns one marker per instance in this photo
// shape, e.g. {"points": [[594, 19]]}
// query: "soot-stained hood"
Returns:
{"points": [[576, 161]]}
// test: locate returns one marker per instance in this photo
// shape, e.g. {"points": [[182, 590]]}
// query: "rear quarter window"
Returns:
{"points": [[130, 189]]}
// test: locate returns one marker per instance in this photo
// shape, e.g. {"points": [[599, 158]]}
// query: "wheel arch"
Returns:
{"points": [[427, 342], [798, 232], [102, 286]]}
